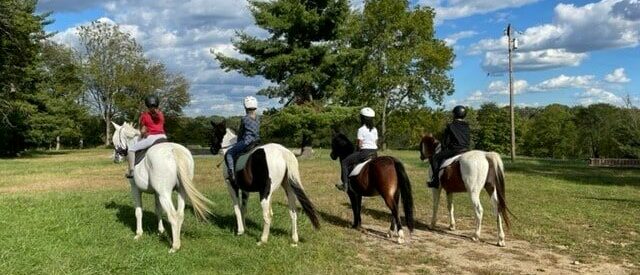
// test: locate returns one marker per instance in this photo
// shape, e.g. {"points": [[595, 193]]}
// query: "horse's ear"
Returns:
{"points": [[116, 125]]}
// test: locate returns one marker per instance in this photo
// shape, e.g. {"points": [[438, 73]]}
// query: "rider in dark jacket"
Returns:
{"points": [[457, 140]]}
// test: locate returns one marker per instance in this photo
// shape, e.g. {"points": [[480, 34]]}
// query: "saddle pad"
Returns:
{"points": [[448, 162], [140, 154], [356, 170], [242, 160]]}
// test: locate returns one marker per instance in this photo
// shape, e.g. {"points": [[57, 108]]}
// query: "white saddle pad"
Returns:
{"points": [[356, 170], [448, 162], [242, 160]]}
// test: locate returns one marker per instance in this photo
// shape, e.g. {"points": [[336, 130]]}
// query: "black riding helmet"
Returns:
{"points": [[151, 101], [459, 112]]}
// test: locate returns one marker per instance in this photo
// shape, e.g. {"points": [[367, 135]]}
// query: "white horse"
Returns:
{"points": [[473, 171], [166, 167], [265, 169]]}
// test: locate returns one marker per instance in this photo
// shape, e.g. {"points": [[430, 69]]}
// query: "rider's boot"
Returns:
{"points": [[342, 185], [131, 162], [232, 176]]}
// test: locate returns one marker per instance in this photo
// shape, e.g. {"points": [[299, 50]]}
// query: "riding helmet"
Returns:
{"points": [[250, 103], [151, 101], [367, 112], [459, 112]]}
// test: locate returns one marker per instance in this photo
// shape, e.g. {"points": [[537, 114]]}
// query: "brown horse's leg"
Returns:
{"points": [[356, 206], [392, 203]]}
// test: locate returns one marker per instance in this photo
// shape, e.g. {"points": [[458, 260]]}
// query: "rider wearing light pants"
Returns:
{"points": [[152, 129], [249, 133]]}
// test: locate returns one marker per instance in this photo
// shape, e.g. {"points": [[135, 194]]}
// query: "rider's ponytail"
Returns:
{"points": [[154, 115], [367, 121]]}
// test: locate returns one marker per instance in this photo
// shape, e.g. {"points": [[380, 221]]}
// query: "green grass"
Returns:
{"points": [[72, 213]]}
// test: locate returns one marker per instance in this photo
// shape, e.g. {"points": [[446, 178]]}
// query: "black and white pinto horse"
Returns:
{"points": [[263, 170]]}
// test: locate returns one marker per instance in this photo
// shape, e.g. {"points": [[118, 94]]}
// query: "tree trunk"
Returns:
{"points": [[58, 143], [383, 127], [306, 148], [107, 120]]}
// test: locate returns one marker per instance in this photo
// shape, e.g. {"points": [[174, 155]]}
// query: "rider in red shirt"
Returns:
{"points": [[151, 128]]}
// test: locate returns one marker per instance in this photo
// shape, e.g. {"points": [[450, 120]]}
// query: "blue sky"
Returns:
{"points": [[571, 52]]}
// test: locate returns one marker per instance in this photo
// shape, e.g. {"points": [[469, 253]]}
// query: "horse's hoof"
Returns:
{"points": [[475, 238], [452, 228], [400, 241], [172, 250], [294, 245], [501, 244], [137, 237], [259, 243], [240, 233]]}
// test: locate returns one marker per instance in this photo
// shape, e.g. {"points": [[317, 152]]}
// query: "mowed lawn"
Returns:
{"points": [[71, 212]]}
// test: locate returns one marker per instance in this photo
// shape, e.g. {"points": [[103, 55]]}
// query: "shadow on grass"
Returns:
{"points": [[37, 154], [626, 201], [576, 172], [126, 215], [229, 223]]}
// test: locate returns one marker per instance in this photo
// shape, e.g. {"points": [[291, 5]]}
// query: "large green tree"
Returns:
{"points": [[297, 54], [552, 133], [21, 31], [391, 59]]}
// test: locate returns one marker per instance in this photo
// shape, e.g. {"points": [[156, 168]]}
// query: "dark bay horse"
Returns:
{"points": [[384, 176], [472, 172]]}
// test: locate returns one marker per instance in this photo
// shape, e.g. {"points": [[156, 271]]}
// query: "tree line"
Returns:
{"points": [[50, 92]]}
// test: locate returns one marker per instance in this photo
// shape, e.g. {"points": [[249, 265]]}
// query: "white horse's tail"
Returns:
{"points": [[185, 175], [294, 181], [498, 166]]}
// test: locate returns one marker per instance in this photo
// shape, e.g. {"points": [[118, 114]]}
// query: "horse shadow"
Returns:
{"points": [[126, 215], [227, 222]]}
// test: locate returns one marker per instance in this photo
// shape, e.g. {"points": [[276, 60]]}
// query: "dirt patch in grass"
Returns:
{"points": [[453, 252]]}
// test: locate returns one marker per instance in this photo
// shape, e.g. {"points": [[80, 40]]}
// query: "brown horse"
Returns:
{"points": [[473, 171], [383, 176]]}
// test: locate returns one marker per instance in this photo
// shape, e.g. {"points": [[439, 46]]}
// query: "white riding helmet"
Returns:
{"points": [[368, 112], [250, 103]]}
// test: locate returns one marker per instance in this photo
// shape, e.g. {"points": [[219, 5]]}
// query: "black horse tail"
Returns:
{"points": [[294, 181], [495, 159], [405, 193]]}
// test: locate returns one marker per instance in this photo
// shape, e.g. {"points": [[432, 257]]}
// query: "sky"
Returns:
{"points": [[570, 52]]}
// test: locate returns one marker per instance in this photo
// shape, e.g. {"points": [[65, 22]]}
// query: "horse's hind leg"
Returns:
{"points": [[452, 219], [477, 206], [159, 214], [265, 202], [137, 200], [395, 218], [291, 199], [236, 208], [494, 203], [172, 215], [436, 202], [182, 197]]}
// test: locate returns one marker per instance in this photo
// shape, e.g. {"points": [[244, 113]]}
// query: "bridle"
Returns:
{"points": [[122, 151]]}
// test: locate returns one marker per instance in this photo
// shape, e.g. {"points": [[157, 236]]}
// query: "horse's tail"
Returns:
{"points": [[496, 161], [294, 181], [185, 175], [405, 193]]}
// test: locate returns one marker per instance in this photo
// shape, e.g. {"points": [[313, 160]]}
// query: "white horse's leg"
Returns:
{"points": [[436, 201], [266, 205], [494, 202], [236, 209], [182, 197], [172, 215], [137, 200], [291, 198], [159, 214], [452, 219], [477, 206]]}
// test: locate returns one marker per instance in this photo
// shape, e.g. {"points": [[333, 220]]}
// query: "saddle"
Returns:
{"points": [[448, 162], [241, 159], [140, 154]]}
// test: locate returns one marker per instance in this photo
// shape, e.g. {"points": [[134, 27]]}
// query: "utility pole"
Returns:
{"points": [[512, 44]]}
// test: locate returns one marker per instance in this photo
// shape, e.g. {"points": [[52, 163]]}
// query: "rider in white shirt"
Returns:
{"points": [[367, 146]]}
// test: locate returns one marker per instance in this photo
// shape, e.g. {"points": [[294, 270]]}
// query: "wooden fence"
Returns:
{"points": [[614, 162]]}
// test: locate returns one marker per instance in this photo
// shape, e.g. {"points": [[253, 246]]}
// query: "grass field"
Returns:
{"points": [[71, 212]]}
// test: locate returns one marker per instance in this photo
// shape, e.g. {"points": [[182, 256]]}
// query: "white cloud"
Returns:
{"points": [[495, 61], [452, 9], [66, 5], [597, 95], [562, 82], [575, 31], [453, 39], [617, 76], [500, 87]]}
